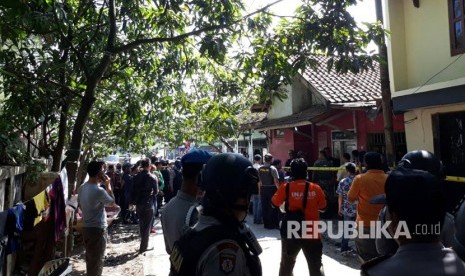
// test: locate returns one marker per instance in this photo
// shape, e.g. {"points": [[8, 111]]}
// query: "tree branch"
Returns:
{"points": [[97, 25], [215, 147], [227, 144], [112, 18], [178, 38], [138, 42], [281, 16], [28, 137], [70, 43]]}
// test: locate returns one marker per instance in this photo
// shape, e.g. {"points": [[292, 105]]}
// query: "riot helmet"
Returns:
{"points": [[227, 177], [423, 160]]}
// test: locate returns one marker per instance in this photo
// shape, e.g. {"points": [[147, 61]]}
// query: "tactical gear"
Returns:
{"points": [[188, 250]]}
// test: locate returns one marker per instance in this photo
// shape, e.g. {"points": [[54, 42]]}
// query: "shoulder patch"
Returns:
{"points": [[227, 263], [371, 263], [227, 245]]}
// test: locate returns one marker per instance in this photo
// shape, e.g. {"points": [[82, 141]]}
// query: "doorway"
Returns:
{"points": [[343, 141]]}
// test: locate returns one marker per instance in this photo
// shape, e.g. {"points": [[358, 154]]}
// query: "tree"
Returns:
{"points": [[132, 60], [98, 40], [385, 91]]}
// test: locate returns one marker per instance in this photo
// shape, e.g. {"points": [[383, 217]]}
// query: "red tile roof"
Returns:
{"points": [[364, 88]]}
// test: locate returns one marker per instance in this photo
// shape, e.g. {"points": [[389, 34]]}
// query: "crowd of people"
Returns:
{"points": [[207, 198], [137, 189]]}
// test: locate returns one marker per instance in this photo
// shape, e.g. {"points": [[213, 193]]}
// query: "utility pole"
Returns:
{"points": [[385, 92]]}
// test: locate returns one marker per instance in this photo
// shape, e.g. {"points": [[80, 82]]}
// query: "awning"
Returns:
{"points": [[304, 117]]}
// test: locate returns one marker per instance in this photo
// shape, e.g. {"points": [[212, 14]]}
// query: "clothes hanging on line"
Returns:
{"points": [[3, 239], [36, 209], [14, 227], [57, 207]]}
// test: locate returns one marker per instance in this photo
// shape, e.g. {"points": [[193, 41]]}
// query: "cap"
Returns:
{"points": [[196, 157]]}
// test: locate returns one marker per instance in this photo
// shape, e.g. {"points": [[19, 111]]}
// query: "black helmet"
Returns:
{"points": [[423, 160], [459, 235], [299, 168], [227, 177]]}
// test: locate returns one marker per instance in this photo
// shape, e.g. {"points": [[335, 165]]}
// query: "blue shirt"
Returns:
{"points": [[343, 188]]}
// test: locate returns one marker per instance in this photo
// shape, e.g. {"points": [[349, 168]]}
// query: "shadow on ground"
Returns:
{"points": [[114, 260]]}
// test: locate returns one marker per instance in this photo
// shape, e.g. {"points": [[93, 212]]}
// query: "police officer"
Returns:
{"points": [[458, 243], [174, 213], [416, 206], [220, 243], [420, 160], [269, 181]]}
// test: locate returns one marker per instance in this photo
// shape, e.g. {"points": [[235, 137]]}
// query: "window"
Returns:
{"points": [[456, 26], [449, 141], [377, 142], [279, 134]]}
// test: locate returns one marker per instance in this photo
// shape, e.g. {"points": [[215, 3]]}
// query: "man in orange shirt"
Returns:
{"points": [[290, 247], [364, 187]]}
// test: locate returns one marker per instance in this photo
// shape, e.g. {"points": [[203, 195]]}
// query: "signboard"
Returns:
{"points": [[340, 135]]}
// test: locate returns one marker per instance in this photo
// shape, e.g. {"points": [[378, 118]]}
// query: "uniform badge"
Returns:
{"points": [[227, 262]]}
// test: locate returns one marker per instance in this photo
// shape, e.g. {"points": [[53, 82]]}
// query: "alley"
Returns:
{"points": [[122, 258], [156, 262]]}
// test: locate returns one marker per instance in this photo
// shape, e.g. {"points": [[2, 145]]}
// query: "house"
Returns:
{"points": [[326, 109], [427, 71]]}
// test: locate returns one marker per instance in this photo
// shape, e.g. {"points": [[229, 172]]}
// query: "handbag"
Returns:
{"points": [[297, 216]]}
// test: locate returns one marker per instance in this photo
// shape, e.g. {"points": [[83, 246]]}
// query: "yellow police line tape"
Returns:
{"points": [[455, 178], [335, 169]]}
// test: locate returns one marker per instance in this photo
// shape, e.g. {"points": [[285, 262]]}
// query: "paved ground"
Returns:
{"points": [[156, 262]]}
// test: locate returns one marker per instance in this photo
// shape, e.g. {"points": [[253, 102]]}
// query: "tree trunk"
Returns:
{"points": [[82, 162], [74, 151], [88, 101], [62, 129], [386, 93]]}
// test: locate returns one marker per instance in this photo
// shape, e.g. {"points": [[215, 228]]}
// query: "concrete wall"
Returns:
{"points": [[299, 98], [302, 95], [419, 47], [281, 108], [419, 127], [279, 147], [11, 182]]}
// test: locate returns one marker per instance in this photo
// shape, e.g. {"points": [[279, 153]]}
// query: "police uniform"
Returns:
{"points": [[173, 217], [220, 244], [268, 174], [174, 213], [204, 251], [417, 259]]}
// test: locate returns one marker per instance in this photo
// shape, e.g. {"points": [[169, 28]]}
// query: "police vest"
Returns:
{"points": [[265, 176], [191, 246]]}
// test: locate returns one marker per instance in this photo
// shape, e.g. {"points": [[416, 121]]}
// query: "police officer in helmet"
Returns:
{"points": [[418, 160], [221, 243]]}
